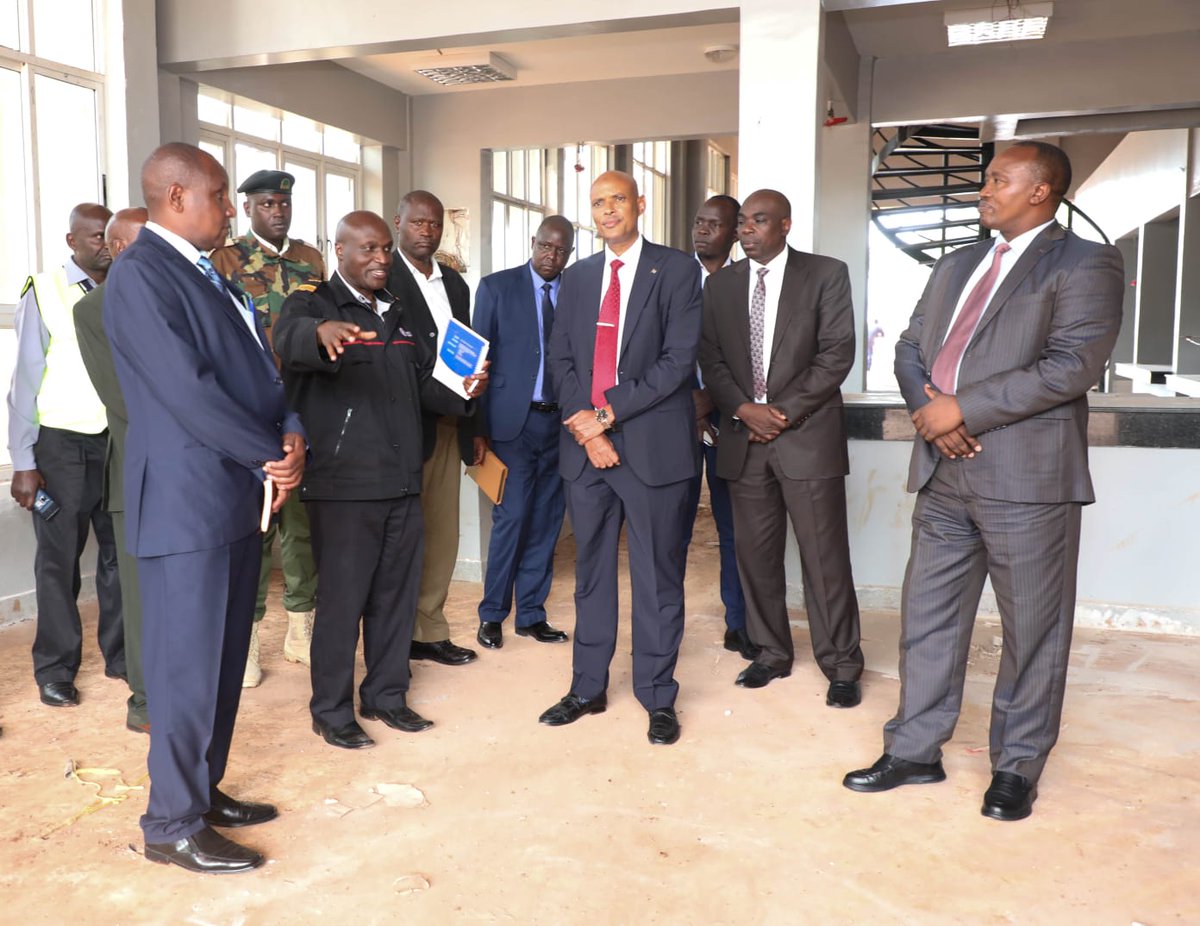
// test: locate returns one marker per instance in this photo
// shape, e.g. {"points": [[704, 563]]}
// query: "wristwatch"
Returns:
{"points": [[602, 417]]}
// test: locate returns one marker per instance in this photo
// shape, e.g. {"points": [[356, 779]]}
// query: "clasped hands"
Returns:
{"points": [[764, 422], [589, 434], [940, 422], [286, 474]]}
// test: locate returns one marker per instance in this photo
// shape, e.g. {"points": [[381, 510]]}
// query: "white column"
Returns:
{"points": [[779, 105], [130, 97]]}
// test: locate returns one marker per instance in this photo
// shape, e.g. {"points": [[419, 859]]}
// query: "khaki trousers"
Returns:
{"points": [[439, 508]]}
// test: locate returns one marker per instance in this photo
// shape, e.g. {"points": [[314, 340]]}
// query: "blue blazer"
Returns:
{"points": [[506, 313], [656, 364], [206, 403]]}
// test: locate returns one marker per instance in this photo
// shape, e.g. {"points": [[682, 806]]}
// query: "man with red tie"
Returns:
{"points": [[622, 360]]}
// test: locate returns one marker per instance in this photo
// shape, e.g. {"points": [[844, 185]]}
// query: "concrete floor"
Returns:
{"points": [[492, 818]]}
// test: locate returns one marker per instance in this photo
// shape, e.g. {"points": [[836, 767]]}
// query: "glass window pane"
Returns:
{"points": [[63, 31], [68, 158], [517, 190], [498, 261], [301, 133], [246, 160], [212, 108], [515, 236], [534, 191], [339, 200], [216, 149], [500, 172], [304, 201], [256, 122], [343, 146], [10, 25], [14, 200]]}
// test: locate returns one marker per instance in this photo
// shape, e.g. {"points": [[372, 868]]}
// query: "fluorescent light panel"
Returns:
{"points": [[451, 72], [1002, 22]]}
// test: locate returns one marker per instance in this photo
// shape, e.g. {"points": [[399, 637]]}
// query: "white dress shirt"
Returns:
{"points": [[773, 284], [1016, 248], [704, 275], [629, 261], [191, 254], [433, 288], [270, 248], [379, 306]]}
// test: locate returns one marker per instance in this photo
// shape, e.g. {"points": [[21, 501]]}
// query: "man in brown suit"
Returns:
{"points": [[777, 341]]}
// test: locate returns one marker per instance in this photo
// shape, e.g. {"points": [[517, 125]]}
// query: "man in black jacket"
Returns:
{"points": [[359, 379]]}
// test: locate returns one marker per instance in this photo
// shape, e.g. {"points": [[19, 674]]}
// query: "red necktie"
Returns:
{"points": [[604, 360], [945, 364]]}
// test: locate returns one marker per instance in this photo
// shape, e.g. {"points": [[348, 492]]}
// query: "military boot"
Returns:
{"points": [[299, 636], [253, 676]]}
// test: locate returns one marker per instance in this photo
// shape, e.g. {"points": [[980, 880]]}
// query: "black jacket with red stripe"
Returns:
{"points": [[361, 412]]}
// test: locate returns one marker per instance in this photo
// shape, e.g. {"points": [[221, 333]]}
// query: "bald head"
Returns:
{"points": [[187, 192], [363, 245], [419, 221], [86, 240], [616, 207], [763, 224], [123, 228]]}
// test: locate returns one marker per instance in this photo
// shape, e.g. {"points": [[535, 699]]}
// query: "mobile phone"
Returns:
{"points": [[44, 505]]}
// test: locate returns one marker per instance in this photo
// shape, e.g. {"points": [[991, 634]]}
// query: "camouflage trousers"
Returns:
{"points": [[295, 550]]}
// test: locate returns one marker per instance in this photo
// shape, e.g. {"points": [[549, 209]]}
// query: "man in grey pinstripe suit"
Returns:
{"points": [[1005, 343]]}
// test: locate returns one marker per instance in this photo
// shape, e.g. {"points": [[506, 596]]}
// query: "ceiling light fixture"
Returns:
{"points": [[719, 54], [455, 71], [1003, 21]]}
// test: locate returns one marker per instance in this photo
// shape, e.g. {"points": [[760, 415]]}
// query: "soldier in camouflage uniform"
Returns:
{"points": [[270, 267]]}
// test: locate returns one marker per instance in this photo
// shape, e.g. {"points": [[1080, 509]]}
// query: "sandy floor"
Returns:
{"points": [[492, 818]]}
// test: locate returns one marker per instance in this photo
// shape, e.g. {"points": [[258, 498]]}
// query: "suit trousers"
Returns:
{"points": [[368, 557], [136, 711], [599, 502], [732, 596], [195, 636], [295, 552], [441, 480], [763, 500], [525, 526], [73, 466], [1031, 552]]}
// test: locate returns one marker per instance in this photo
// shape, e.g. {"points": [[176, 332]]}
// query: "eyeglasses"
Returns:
{"points": [[543, 247]]}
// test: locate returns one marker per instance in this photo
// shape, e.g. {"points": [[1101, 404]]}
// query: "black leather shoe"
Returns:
{"points": [[490, 634], [1010, 797], [543, 633], [398, 718], [59, 694], [738, 641], [571, 708], [890, 772], [351, 736], [207, 852], [756, 675], [223, 810], [442, 651], [843, 694], [664, 727]]}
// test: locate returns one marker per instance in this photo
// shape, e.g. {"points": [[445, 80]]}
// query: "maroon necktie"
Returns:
{"points": [[604, 360], [945, 365]]}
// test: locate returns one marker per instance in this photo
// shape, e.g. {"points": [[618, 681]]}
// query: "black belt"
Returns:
{"points": [[549, 408]]}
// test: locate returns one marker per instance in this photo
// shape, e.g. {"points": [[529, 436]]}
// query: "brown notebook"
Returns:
{"points": [[490, 476]]}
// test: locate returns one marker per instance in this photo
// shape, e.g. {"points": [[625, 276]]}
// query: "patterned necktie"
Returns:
{"points": [[604, 360], [547, 324], [211, 272], [945, 364], [758, 315]]}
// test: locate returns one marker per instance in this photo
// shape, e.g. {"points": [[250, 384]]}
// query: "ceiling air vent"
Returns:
{"points": [[450, 71]]}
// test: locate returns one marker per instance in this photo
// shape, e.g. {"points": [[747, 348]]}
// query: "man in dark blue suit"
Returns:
{"points": [[514, 310], [207, 416], [622, 363]]}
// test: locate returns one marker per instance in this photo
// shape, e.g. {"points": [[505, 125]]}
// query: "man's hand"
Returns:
{"points": [[281, 496], [703, 402], [601, 453], [766, 422], [332, 335], [476, 384], [479, 446], [25, 483], [288, 472], [958, 443], [939, 418], [584, 426]]}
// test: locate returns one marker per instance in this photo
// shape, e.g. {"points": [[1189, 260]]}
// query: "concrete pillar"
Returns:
{"points": [[1187, 290], [779, 105], [131, 102], [1154, 336], [381, 180]]}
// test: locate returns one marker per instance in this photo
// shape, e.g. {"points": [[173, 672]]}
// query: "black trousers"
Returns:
{"points": [[368, 557], [73, 466]]}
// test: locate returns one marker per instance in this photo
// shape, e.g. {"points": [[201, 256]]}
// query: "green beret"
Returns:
{"points": [[268, 181]]}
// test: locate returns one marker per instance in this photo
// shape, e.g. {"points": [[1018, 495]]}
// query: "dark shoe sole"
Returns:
{"points": [[162, 858], [489, 644], [233, 825], [562, 723], [926, 779], [369, 714], [321, 733], [995, 813], [771, 678], [533, 636]]}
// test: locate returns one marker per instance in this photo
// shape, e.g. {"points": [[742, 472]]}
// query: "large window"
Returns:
{"points": [[326, 161], [652, 171], [51, 152]]}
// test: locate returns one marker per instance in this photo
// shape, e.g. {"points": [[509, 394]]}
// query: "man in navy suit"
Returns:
{"points": [[514, 310], [207, 420], [622, 363]]}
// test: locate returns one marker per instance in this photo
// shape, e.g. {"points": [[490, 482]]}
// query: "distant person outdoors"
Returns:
{"points": [[269, 266], [57, 439]]}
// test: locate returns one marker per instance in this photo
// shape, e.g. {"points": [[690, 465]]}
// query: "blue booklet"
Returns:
{"points": [[461, 353]]}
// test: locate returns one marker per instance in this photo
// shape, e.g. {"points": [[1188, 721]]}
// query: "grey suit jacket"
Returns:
{"points": [[98, 359], [1040, 345], [811, 353]]}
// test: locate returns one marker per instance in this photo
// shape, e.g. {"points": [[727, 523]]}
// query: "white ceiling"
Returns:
{"points": [[650, 53]]}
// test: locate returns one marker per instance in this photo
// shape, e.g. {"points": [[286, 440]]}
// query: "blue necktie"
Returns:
{"points": [[211, 272], [216, 279], [547, 324]]}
